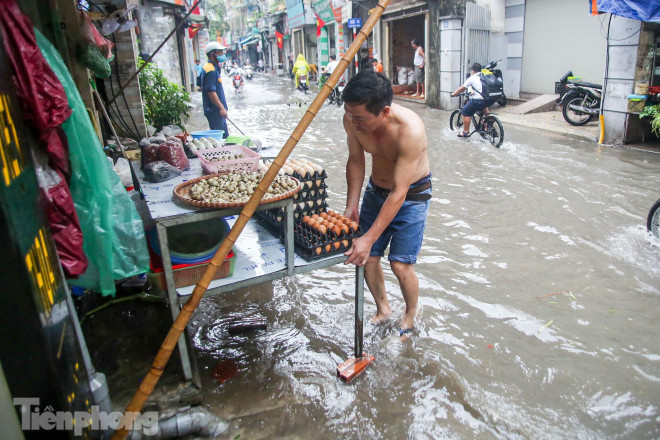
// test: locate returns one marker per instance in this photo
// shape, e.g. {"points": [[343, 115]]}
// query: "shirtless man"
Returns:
{"points": [[398, 195]]}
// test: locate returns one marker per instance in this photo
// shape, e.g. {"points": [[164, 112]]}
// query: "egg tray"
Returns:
{"points": [[306, 194], [311, 244], [311, 181], [273, 219]]}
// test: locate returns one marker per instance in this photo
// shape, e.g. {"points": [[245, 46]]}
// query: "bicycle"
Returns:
{"points": [[489, 127]]}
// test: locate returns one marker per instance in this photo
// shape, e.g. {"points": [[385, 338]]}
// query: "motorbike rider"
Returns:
{"points": [[235, 70], [476, 102], [213, 94], [332, 65], [300, 68]]}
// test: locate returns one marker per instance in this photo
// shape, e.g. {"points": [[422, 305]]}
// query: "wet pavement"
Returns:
{"points": [[540, 291]]}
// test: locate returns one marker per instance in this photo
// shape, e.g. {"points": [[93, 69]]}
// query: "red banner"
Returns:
{"points": [[280, 39], [319, 24]]}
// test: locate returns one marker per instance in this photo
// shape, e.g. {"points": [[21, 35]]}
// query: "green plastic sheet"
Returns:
{"points": [[113, 234]]}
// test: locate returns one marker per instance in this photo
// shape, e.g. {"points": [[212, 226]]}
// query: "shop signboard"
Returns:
{"points": [[322, 8], [324, 47], [296, 13]]}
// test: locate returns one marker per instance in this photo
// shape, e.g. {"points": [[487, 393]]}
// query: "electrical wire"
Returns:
{"points": [[137, 131], [608, 30]]}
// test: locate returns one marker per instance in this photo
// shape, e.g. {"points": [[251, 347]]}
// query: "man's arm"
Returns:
{"points": [[216, 101], [421, 52], [458, 91], [354, 173]]}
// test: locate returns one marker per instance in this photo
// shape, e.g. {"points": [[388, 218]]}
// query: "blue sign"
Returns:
{"points": [[354, 23]]}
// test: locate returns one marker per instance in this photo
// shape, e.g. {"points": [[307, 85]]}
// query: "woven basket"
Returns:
{"points": [[249, 163]]}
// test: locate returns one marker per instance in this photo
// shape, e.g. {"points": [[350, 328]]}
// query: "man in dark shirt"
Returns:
{"points": [[213, 95]]}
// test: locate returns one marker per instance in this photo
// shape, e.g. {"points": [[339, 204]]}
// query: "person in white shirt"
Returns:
{"points": [[476, 102], [419, 61], [332, 65]]}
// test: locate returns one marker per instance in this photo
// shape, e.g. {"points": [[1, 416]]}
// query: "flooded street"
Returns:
{"points": [[539, 293]]}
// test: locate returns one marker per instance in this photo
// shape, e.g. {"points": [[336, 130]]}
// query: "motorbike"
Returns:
{"points": [[302, 83], [653, 219], [237, 81], [248, 72], [498, 74], [335, 96], [580, 101]]}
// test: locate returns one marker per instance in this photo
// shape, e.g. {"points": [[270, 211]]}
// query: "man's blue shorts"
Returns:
{"points": [[405, 233], [473, 106]]}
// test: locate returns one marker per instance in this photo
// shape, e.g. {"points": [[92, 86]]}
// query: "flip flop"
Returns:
{"points": [[463, 135], [405, 331]]}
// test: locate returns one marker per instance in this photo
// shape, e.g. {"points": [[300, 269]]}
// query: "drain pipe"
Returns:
{"points": [[197, 421]]}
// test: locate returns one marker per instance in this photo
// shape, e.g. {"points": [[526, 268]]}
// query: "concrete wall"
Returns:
{"points": [[451, 44], [155, 25], [559, 36], [624, 38], [513, 29]]}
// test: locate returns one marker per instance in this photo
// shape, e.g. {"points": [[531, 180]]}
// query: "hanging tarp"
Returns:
{"points": [[296, 13], [644, 10]]}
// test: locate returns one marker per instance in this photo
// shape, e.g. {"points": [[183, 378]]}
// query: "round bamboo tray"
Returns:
{"points": [[182, 192]]}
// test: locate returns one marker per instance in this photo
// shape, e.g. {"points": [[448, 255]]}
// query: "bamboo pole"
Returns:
{"points": [[169, 344]]}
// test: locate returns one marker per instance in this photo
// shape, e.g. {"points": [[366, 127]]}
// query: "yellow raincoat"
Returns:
{"points": [[300, 67]]}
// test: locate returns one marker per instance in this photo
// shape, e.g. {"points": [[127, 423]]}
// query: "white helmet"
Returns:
{"points": [[214, 45]]}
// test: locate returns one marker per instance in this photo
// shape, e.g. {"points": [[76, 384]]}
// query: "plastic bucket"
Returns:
{"points": [[192, 243], [216, 134]]}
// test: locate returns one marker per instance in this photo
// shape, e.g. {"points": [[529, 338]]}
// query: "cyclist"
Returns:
{"points": [[476, 102]]}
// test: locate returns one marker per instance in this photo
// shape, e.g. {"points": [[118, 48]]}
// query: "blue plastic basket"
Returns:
{"points": [[216, 134]]}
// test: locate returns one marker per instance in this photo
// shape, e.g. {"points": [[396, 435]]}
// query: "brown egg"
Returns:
{"points": [[318, 250], [336, 244], [331, 220], [344, 243], [315, 225], [328, 247], [305, 218], [310, 222], [315, 216], [336, 230], [331, 213], [345, 229], [323, 215], [353, 226], [325, 223], [322, 229]]}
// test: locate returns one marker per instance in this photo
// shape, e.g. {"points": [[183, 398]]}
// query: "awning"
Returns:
{"points": [[249, 40], [643, 10]]}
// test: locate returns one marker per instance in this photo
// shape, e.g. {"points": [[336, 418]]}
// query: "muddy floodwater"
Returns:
{"points": [[539, 294]]}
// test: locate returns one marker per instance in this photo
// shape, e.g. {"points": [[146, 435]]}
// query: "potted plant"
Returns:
{"points": [[164, 102], [653, 113]]}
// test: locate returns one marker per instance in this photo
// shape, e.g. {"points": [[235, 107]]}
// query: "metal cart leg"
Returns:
{"points": [[288, 238], [172, 298], [359, 310]]}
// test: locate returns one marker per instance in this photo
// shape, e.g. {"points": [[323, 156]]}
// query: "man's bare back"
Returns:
{"points": [[403, 137]]}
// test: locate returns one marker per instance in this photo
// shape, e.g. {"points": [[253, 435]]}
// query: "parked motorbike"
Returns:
{"points": [[302, 83], [237, 81], [653, 219], [498, 74], [580, 100], [248, 72], [335, 96]]}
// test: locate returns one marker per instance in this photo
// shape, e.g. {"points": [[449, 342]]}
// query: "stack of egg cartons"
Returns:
{"points": [[310, 200]]}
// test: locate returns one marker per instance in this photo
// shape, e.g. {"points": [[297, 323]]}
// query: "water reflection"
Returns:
{"points": [[539, 296]]}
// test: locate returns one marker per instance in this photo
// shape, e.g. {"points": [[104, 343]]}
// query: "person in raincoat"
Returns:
{"points": [[300, 68]]}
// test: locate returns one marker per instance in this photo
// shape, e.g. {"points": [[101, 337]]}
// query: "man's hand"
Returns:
{"points": [[358, 254], [353, 214], [223, 112]]}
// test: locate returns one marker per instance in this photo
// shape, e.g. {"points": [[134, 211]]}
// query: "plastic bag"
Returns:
{"points": [[93, 36], [160, 171], [113, 234], [91, 57], [172, 152], [149, 154], [411, 77], [171, 130], [402, 75], [123, 170]]}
